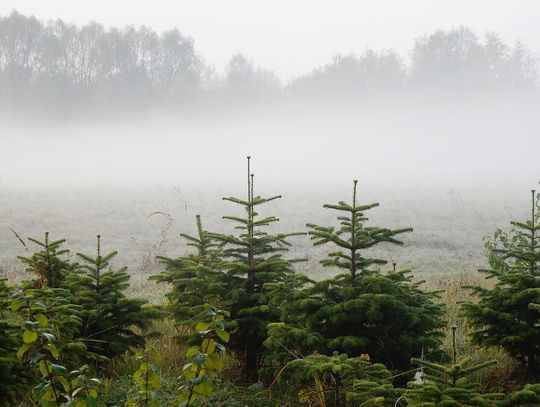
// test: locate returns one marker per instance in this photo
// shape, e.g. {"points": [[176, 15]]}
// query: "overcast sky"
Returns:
{"points": [[293, 36]]}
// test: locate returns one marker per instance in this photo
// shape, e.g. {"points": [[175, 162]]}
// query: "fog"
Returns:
{"points": [[90, 104], [476, 144]]}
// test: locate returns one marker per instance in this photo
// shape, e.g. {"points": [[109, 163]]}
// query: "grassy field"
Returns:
{"points": [[446, 245], [449, 224]]}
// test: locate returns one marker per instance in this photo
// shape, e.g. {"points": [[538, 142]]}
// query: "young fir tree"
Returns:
{"points": [[437, 385], [339, 380], [111, 322], [196, 279], [503, 316], [51, 268], [48, 264], [251, 259], [361, 310]]}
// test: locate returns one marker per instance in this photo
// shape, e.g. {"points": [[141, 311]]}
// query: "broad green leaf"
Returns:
{"points": [[64, 382], [15, 305], [58, 369], [194, 350], [52, 349], [209, 345], [202, 326], [224, 335], [154, 381], [43, 320], [42, 365], [203, 388], [22, 350], [30, 336]]}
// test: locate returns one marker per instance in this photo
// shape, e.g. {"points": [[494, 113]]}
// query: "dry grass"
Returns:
{"points": [[165, 345]]}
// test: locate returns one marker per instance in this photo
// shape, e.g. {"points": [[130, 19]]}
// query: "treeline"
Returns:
{"points": [[55, 66]]}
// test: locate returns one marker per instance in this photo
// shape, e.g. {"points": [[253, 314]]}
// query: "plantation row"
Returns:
{"points": [[369, 336]]}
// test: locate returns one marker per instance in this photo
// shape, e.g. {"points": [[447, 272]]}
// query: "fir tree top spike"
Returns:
{"points": [[454, 351], [249, 175], [98, 245], [252, 179], [533, 223], [199, 225]]}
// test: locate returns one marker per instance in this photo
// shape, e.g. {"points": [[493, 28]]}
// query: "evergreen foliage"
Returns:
{"points": [[56, 306], [111, 322], [446, 386], [352, 237], [339, 380], [529, 396], [362, 310], [196, 279], [505, 315], [48, 264], [49, 293], [251, 259], [12, 375]]}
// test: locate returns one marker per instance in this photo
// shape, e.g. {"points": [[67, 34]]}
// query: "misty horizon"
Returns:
{"points": [[94, 108]]}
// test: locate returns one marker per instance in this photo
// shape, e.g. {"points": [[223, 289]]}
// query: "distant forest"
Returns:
{"points": [[56, 67]]}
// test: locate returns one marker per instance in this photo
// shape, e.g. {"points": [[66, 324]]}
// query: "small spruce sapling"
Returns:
{"points": [[196, 279], [109, 318], [252, 259], [438, 385], [505, 315], [339, 380], [361, 310], [48, 264]]}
